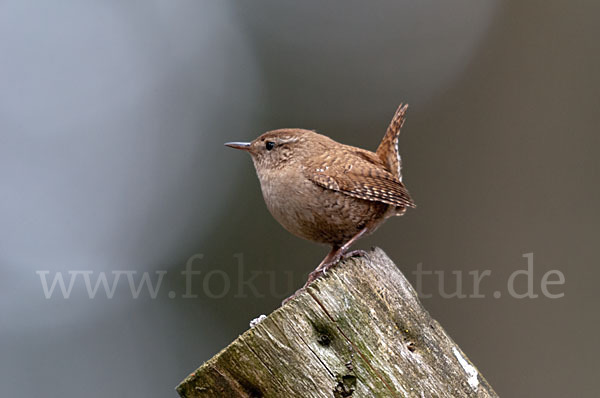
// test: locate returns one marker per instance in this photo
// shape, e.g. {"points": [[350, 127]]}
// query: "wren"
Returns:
{"points": [[327, 192]]}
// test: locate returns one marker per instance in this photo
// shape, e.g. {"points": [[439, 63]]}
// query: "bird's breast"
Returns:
{"points": [[313, 212]]}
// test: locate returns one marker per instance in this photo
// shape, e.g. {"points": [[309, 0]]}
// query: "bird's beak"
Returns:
{"points": [[244, 146]]}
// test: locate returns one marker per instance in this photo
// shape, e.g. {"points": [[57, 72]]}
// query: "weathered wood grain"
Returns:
{"points": [[360, 331]]}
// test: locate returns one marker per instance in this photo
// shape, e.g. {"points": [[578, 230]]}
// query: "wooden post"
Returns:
{"points": [[360, 331]]}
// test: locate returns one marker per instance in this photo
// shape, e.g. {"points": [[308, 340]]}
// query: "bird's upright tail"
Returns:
{"points": [[388, 148]]}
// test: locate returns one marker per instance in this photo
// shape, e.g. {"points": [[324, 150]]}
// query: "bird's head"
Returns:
{"points": [[278, 148]]}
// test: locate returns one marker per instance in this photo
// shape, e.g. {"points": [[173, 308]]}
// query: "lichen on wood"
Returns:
{"points": [[359, 331]]}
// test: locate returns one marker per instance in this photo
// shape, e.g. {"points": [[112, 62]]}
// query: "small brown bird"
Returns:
{"points": [[328, 192]]}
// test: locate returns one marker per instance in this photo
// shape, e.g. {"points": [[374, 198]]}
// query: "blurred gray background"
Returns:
{"points": [[112, 119]]}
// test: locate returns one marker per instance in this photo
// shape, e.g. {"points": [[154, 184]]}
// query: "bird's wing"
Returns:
{"points": [[357, 173]]}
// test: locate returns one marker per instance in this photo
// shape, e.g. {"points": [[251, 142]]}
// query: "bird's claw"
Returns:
{"points": [[323, 268], [354, 253]]}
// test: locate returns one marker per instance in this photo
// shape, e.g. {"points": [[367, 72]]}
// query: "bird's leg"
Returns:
{"points": [[343, 252], [336, 253], [332, 257]]}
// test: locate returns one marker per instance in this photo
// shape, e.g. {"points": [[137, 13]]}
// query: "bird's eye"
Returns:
{"points": [[269, 145]]}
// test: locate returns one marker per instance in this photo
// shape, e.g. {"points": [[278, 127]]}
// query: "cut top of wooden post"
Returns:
{"points": [[359, 331]]}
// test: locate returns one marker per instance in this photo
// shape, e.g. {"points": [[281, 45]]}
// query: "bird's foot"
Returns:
{"points": [[293, 296], [327, 263], [335, 255], [341, 256], [323, 268], [354, 253]]}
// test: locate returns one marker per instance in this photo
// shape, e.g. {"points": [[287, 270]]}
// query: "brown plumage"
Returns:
{"points": [[329, 192]]}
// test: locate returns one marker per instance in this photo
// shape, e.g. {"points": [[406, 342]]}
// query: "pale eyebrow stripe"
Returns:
{"points": [[287, 140]]}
